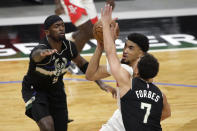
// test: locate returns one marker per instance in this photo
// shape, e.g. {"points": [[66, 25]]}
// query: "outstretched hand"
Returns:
{"points": [[111, 3], [106, 15], [47, 52], [112, 90], [106, 19], [106, 88]]}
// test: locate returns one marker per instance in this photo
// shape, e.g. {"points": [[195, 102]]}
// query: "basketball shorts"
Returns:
{"points": [[80, 11], [115, 123], [38, 107]]}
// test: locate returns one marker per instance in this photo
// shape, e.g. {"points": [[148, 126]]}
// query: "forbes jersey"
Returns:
{"points": [[49, 72], [142, 106]]}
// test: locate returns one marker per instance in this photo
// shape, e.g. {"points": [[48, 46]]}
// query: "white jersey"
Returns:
{"points": [[127, 68], [80, 11]]}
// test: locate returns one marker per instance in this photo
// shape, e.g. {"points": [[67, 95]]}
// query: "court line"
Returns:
{"points": [[157, 50], [77, 79]]}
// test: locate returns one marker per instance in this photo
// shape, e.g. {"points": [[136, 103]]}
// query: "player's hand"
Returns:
{"points": [[47, 52], [114, 30], [100, 46], [112, 90], [111, 3], [108, 88], [106, 15]]}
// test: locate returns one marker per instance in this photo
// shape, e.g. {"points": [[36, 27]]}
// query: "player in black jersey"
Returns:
{"points": [[143, 105], [43, 87]]}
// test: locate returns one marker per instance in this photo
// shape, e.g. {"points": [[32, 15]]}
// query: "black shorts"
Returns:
{"points": [[38, 106]]}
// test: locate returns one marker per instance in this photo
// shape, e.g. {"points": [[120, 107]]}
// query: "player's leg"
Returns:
{"points": [[60, 117], [37, 107], [85, 24], [83, 35], [46, 124], [114, 123]]}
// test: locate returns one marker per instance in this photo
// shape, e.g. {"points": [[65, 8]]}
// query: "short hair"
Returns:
{"points": [[51, 20], [141, 40], [148, 66]]}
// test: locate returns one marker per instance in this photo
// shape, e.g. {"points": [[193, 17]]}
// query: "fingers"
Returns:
{"points": [[48, 52], [107, 11], [116, 30], [111, 2], [101, 12], [114, 95]]}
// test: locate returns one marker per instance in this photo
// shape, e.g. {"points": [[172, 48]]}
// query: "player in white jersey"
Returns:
{"points": [[115, 122]]}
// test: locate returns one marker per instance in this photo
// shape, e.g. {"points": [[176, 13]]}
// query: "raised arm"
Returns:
{"points": [[96, 71], [39, 54], [119, 73]]}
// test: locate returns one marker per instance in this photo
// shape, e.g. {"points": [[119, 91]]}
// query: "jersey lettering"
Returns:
{"points": [[147, 94]]}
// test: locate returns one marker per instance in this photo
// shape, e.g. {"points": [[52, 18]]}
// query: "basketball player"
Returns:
{"points": [[143, 105], [83, 15], [43, 87]]}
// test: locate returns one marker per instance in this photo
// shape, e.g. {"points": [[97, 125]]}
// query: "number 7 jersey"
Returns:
{"points": [[141, 107]]}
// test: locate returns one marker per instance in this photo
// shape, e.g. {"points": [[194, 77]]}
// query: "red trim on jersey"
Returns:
{"points": [[74, 11], [94, 20], [117, 84]]}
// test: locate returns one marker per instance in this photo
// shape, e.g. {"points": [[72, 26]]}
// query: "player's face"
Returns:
{"points": [[131, 53], [57, 31]]}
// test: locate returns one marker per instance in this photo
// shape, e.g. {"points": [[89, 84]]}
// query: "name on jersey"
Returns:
{"points": [[147, 94]]}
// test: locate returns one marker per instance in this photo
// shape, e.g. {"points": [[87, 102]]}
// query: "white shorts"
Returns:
{"points": [[115, 123], [80, 11]]}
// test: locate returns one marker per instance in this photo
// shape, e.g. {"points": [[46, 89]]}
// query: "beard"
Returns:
{"points": [[59, 38], [125, 62]]}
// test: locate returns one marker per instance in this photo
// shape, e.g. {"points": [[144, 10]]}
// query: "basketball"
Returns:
{"points": [[98, 31]]}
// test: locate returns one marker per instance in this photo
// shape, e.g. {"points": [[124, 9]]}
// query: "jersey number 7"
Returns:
{"points": [[148, 108]]}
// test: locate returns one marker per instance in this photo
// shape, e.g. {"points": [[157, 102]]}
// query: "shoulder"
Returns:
{"points": [[156, 88], [43, 44], [128, 68]]}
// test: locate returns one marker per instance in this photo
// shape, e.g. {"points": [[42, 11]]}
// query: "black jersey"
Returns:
{"points": [[48, 74], [141, 107]]}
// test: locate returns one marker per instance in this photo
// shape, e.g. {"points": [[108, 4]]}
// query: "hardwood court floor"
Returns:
{"points": [[90, 107]]}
